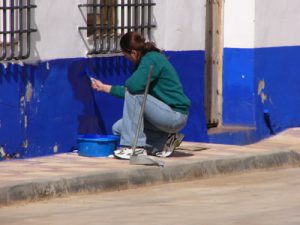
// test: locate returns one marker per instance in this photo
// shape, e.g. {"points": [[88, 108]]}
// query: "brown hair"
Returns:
{"points": [[134, 41]]}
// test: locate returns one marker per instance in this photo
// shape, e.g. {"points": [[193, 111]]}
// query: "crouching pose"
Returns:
{"points": [[166, 109]]}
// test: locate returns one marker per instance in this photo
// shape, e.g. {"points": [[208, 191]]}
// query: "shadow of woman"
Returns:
{"points": [[90, 120]]}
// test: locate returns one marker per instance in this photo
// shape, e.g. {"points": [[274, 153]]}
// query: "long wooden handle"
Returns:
{"points": [[142, 109]]}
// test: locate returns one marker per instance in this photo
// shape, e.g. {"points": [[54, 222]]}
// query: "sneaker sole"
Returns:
{"points": [[119, 157], [127, 157], [165, 154]]}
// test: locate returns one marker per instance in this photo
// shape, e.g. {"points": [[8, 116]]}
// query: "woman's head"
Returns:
{"points": [[134, 47]]}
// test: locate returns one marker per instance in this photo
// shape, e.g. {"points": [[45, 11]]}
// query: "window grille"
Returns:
{"points": [[15, 29], [108, 20]]}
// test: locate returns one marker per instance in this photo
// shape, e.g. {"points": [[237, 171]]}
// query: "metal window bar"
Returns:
{"points": [[115, 29], [110, 20], [15, 29]]}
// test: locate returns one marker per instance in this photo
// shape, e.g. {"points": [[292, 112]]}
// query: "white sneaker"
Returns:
{"points": [[126, 152], [173, 141]]}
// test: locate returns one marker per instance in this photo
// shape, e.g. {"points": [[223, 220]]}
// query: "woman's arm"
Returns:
{"points": [[99, 86], [115, 90]]}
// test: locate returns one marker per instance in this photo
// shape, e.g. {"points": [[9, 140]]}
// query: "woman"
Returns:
{"points": [[166, 109]]}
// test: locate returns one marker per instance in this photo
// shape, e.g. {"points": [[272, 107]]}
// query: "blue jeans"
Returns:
{"points": [[159, 121]]}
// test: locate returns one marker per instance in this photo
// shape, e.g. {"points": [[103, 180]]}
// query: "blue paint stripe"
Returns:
{"points": [[63, 104]]}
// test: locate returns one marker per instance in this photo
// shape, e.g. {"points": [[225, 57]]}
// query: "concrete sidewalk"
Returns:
{"points": [[63, 174]]}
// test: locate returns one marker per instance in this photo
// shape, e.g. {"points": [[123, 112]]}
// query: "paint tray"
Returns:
{"points": [[94, 145]]}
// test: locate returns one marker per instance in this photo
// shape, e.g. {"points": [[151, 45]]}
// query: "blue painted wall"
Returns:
{"points": [[238, 87], [190, 67], [279, 68], [11, 133], [44, 107], [244, 70]]}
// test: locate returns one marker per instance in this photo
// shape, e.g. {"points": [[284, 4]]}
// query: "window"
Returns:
{"points": [[15, 29], [108, 20]]}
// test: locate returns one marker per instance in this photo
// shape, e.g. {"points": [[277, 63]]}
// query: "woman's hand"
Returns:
{"points": [[99, 86]]}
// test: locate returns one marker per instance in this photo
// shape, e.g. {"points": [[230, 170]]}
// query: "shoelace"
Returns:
{"points": [[171, 140], [139, 151]]}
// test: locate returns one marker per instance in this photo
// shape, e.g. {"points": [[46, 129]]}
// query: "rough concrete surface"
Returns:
{"points": [[64, 174], [259, 197]]}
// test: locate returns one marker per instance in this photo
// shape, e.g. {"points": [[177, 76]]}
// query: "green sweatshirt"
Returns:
{"points": [[165, 84]]}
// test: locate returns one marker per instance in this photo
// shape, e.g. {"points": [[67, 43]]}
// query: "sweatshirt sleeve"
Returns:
{"points": [[118, 91], [136, 84]]}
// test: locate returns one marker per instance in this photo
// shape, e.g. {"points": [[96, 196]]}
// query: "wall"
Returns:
{"points": [[58, 36], [275, 26], [277, 62], [175, 30], [239, 23], [238, 69], [46, 101], [181, 24], [261, 64]]}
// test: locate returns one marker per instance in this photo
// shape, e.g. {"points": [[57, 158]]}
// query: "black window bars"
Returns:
{"points": [[108, 20], [15, 29]]}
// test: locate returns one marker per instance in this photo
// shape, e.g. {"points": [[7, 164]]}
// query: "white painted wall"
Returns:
{"points": [[277, 23], [180, 26], [261, 23], [239, 23], [57, 22]]}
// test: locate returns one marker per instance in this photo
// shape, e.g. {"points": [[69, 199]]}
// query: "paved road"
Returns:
{"points": [[258, 198]]}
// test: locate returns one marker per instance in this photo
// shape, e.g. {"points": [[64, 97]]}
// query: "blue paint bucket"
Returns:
{"points": [[93, 145]]}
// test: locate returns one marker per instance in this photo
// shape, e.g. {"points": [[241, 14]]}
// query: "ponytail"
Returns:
{"points": [[134, 41], [149, 47]]}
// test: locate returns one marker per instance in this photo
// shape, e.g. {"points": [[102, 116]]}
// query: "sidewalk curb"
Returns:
{"points": [[144, 175]]}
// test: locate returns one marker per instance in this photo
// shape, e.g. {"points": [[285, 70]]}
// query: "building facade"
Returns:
{"points": [[249, 47]]}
